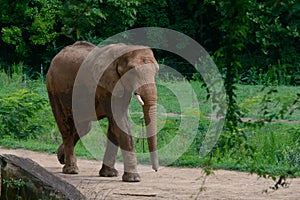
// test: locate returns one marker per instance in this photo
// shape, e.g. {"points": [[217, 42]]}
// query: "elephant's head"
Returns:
{"points": [[138, 69], [133, 71]]}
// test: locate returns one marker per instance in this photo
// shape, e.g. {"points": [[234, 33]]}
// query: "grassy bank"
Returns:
{"points": [[26, 122]]}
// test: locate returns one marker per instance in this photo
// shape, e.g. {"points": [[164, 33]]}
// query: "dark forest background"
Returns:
{"points": [[258, 40]]}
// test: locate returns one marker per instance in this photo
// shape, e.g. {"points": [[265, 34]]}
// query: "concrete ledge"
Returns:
{"points": [[22, 178]]}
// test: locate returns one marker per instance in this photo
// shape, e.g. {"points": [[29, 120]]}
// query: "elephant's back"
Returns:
{"points": [[65, 65]]}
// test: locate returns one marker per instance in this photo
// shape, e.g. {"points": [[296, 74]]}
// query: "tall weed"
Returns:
{"points": [[24, 108], [19, 114]]}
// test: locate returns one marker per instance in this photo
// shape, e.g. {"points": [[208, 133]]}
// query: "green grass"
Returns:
{"points": [[31, 144], [250, 98], [272, 148], [275, 148]]}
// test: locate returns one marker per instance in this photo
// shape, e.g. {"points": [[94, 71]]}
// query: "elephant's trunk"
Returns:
{"points": [[150, 120], [148, 94]]}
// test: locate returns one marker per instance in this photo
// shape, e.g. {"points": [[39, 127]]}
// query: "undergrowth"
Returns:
{"points": [[268, 147]]}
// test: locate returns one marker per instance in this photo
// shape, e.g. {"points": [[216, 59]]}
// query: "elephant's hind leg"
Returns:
{"points": [[65, 123], [60, 154], [59, 115], [70, 166], [84, 128], [66, 153]]}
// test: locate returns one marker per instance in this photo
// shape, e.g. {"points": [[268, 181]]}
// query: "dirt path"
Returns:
{"points": [[167, 183]]}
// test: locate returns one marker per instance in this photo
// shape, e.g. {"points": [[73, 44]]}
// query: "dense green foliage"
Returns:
{"points": [[256, 40], [24, 110], [18, 114]]}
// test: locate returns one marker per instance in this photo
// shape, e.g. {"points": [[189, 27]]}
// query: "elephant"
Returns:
{"points": [[125, 70]]}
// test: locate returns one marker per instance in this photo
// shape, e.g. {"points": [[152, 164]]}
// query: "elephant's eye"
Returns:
{"points": [[146, 60]]}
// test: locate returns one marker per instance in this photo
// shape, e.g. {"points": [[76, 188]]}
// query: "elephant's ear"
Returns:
{"points": [[104, 64], [100, 67]]}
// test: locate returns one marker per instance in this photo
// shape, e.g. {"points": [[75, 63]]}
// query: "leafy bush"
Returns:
{"points": [[19, 114]]}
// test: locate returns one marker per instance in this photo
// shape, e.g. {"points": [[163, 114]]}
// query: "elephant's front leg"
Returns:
{"points": [[128, 153], [122, 137], [112, 145], [130, 166]]}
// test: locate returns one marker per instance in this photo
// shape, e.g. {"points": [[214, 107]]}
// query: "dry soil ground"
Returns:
{"points": [[167, 183]]}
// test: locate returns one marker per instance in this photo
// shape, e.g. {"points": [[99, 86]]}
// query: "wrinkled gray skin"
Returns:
{"points": [[136, 67]]}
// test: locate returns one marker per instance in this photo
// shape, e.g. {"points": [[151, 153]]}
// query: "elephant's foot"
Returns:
{"points": [[70, 169], [108, 171], [60, 154], [131, 177]]}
